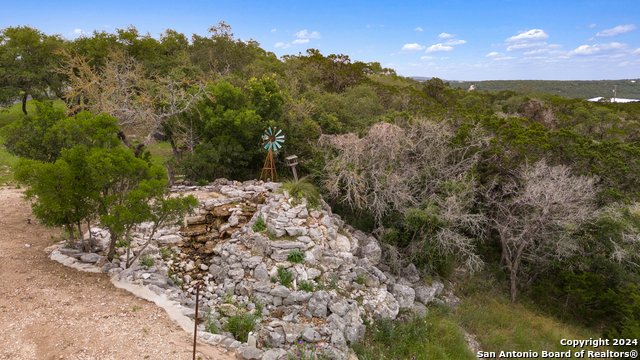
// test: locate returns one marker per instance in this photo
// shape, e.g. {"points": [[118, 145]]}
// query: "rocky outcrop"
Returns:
{"points": [[250, 247]]}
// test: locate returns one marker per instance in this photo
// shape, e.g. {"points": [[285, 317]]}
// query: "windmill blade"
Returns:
{"points": [[278, 146], [279, 131], [281, 137], [266, 147]]}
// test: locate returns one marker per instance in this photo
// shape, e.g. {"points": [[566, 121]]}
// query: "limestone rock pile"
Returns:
{"points": [[253, 248]]}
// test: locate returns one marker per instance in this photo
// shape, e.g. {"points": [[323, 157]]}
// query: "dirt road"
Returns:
{"points": [[49, 311]]}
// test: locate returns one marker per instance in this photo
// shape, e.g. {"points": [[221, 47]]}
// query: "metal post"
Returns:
{"points": [[195, 330]]}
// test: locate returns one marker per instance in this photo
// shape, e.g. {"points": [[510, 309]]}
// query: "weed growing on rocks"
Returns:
{"points": [[306, 286], [285, 276], [259, 225], [147, 261], [296, 256]]}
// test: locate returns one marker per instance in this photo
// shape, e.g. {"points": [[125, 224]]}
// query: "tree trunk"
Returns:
{"points": [[112, 245], [176, 153], [513, 277], [170, 174], [123, 137], [24, 103]]}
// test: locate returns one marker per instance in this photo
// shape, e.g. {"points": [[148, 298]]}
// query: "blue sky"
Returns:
{"points": [[455, 40]]}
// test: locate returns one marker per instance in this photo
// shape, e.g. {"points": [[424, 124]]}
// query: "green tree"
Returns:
{"points": [[28, 62], [42, 136]]}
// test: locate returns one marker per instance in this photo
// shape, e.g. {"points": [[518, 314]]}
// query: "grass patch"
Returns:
{"points": [[160, 152], [411, 336], [303, 188], [501, 325], [7, 161]]}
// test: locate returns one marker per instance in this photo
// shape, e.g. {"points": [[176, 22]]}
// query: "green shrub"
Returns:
{"points": [[121, 243], [360, 280], [147, 261], [259, 225], [285, 276], [240, 325], [296, 256], [303, 188], [202, 182], [306, 286]]}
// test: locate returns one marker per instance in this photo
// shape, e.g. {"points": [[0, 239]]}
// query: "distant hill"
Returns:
{"points": [[629, 88]]}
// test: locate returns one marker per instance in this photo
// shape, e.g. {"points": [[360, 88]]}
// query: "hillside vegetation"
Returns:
{"points": [[571, 89], [536, 192]]}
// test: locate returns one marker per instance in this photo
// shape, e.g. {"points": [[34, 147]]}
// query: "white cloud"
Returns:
{"points": [[445, 36], [618, 30], [636, 51], [438, 48], [592, 26], [412, 47], [304, 34], [444, 58], [273, 30], [585, 50], [300, 41], [107, 26], [418, 29], [76, 32], [282, 45], [613, 45], [368, 25], [504, 58], [536, 52], [531, 35], [544, 51], [455, 42], [523, 46], [426, 58], [494, 54], [555, 46]]}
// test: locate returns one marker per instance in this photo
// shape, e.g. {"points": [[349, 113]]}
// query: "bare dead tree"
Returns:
{"points": [[140, 102], [535, 213], [397, 168]]}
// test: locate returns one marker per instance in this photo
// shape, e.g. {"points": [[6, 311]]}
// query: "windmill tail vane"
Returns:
{"points": [[272, 141]]}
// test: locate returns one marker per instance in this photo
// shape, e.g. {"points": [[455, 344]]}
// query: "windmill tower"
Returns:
{"points": [[271, 141]]}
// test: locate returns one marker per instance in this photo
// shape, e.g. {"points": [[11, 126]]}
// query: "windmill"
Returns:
{"points": [[271, 141]]}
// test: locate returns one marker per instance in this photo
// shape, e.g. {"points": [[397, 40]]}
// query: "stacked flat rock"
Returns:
{"points": [[239, 267]]}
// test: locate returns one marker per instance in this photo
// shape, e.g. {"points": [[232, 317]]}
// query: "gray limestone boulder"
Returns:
{"points": [[280, 291], [339, 307], [274, 354], [313, 273], [250, 353], [318, 304], [372, 251], [90, 258], [260, 273], [311, 335], [411, 273], [405, 296]]}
